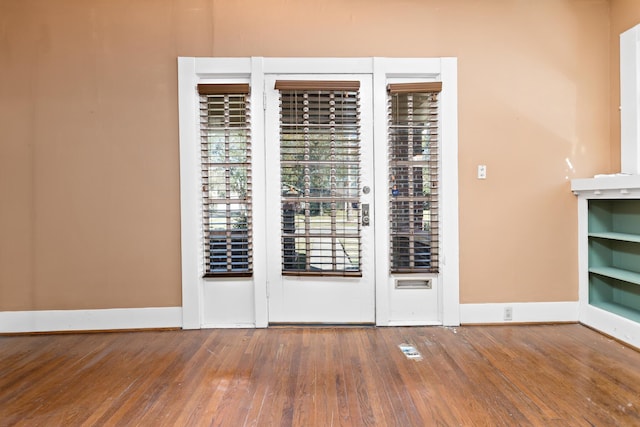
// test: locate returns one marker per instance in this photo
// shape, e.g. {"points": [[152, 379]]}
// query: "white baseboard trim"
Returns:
{"points": [[411, 323], [171, 317], [228, 326], [527, 312], [613, 325], [90, 320]]}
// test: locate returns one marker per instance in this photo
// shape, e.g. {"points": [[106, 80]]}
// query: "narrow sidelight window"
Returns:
{"points": [[413, 177], [226, 179], [320, 177]]}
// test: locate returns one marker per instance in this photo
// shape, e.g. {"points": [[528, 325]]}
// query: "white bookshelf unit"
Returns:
{"points": [[609, 254], [609, 219]]}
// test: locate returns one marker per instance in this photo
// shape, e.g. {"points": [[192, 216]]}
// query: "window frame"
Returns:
{"points": [[253, 292], [446, 281]]}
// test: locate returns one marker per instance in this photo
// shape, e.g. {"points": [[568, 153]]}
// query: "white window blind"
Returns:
{"points": [[413, 177], [320, 177], [226, 179]]}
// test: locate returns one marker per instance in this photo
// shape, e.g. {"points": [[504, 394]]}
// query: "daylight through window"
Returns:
{"points": [[413, 177], [320, 177], [226, 179]]}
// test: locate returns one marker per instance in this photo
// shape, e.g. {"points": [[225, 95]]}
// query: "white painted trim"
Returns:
{"points": [[217, 68], [607, 186], [259, 183], [229, 326], [611, 324], [583, 256], [189, 194], [206, 70], [527, 312], [317, 65], [381, 171], [630, 101], [450, 268], [90, 320], [411, 323]]}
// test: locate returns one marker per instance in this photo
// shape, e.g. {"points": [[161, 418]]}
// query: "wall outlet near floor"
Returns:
{"points": [[508, 313]]}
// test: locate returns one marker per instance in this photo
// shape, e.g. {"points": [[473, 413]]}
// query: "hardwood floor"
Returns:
{"points": [[543, 375]]}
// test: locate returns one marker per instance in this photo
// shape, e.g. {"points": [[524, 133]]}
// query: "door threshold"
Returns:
{"points": [[319, 325]]}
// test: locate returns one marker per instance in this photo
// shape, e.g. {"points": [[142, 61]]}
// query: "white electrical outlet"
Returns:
{"points": [[482, 171], [508, 313]]}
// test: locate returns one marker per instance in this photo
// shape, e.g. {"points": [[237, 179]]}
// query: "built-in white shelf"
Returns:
{"points": [[624, 237], [617, 273], [617, 184], [609, 254], [609, 219]]}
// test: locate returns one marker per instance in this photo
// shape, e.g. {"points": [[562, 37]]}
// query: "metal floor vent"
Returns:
{"points": [[410, 351]]}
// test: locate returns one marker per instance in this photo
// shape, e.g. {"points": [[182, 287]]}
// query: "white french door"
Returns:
{"points": [[314, 203], [319, 199]]}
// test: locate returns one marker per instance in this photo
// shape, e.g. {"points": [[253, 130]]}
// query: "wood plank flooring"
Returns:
{"points": [[542, 375]]}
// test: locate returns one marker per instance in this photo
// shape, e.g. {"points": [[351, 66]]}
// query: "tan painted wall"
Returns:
{"points": [[89, 180], [625, 14]]}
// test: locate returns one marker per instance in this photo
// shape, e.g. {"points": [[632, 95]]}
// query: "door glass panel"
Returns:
{"points": [[320, 179]]}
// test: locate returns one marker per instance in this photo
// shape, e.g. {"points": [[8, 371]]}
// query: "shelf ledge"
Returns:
{"points": [[619, 185], [610, 235], [617, 273]]}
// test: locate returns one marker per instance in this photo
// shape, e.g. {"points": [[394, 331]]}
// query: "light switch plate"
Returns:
{"points": [[482, 171]]}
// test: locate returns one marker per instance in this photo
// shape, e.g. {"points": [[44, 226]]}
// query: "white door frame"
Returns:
{"points": [[243, 302]]}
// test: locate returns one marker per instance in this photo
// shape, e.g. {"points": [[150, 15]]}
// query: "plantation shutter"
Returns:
{"points": [[320, 174], [414, 177], [226, 179]]}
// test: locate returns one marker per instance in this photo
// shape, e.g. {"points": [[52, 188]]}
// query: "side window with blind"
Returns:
{"points": [[413, 176], [226, 179]]}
